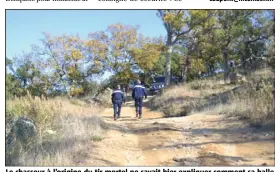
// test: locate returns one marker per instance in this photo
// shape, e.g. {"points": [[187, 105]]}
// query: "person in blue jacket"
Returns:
{"points": [[138, 92], [117, 100]]}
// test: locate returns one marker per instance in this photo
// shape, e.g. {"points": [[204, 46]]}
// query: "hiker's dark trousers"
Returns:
{"points": [[117, 108], [138, 105]]}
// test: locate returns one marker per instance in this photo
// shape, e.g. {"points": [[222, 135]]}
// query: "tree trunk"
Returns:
{"points": [[212, 71], [185, 73], [168, 59], [185, 70], [226, 67], [245, 56]]}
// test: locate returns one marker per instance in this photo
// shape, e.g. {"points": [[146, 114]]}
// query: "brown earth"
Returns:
{"points": [[195, 140]]}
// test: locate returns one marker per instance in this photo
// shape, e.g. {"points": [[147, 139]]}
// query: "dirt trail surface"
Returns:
{"points": [[195, 140]]}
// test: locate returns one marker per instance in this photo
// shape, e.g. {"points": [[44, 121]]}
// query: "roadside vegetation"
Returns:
{"points": [[252, 101], [64, 128]]}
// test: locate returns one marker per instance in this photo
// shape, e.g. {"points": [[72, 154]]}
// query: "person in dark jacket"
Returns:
{"points": [[138, 93], [117, 100]]}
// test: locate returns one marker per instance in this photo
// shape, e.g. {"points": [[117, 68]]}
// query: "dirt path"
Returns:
{"points": [[194, 140]]}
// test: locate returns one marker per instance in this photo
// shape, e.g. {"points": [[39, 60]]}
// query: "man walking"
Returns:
{"points": [[117, 100], [138, 93]]}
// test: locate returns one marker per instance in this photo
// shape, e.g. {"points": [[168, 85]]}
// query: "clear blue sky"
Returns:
{"points": [[25, 27]]}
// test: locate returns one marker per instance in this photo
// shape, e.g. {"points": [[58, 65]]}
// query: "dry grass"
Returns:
{"points": [[254, 106], [212, 96], [65, 130], [183, 99]]}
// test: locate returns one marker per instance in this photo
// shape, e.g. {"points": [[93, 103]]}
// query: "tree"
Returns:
{"points": [[13, 85], [202, 45], [128, 53], [229, 32], [71, 61], [178, 23], [257, 31], [147, 56], [118, 40]]}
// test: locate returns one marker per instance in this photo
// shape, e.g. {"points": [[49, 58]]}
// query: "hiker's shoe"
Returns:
{"points": [[136, 115], [115, 119], [140, 117]]}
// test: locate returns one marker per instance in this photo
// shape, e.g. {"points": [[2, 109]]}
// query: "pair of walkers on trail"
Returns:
{"points": [[138, 93]]}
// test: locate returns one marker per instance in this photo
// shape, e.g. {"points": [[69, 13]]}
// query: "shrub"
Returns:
{"points": [[65, 127], [40, 110]]}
